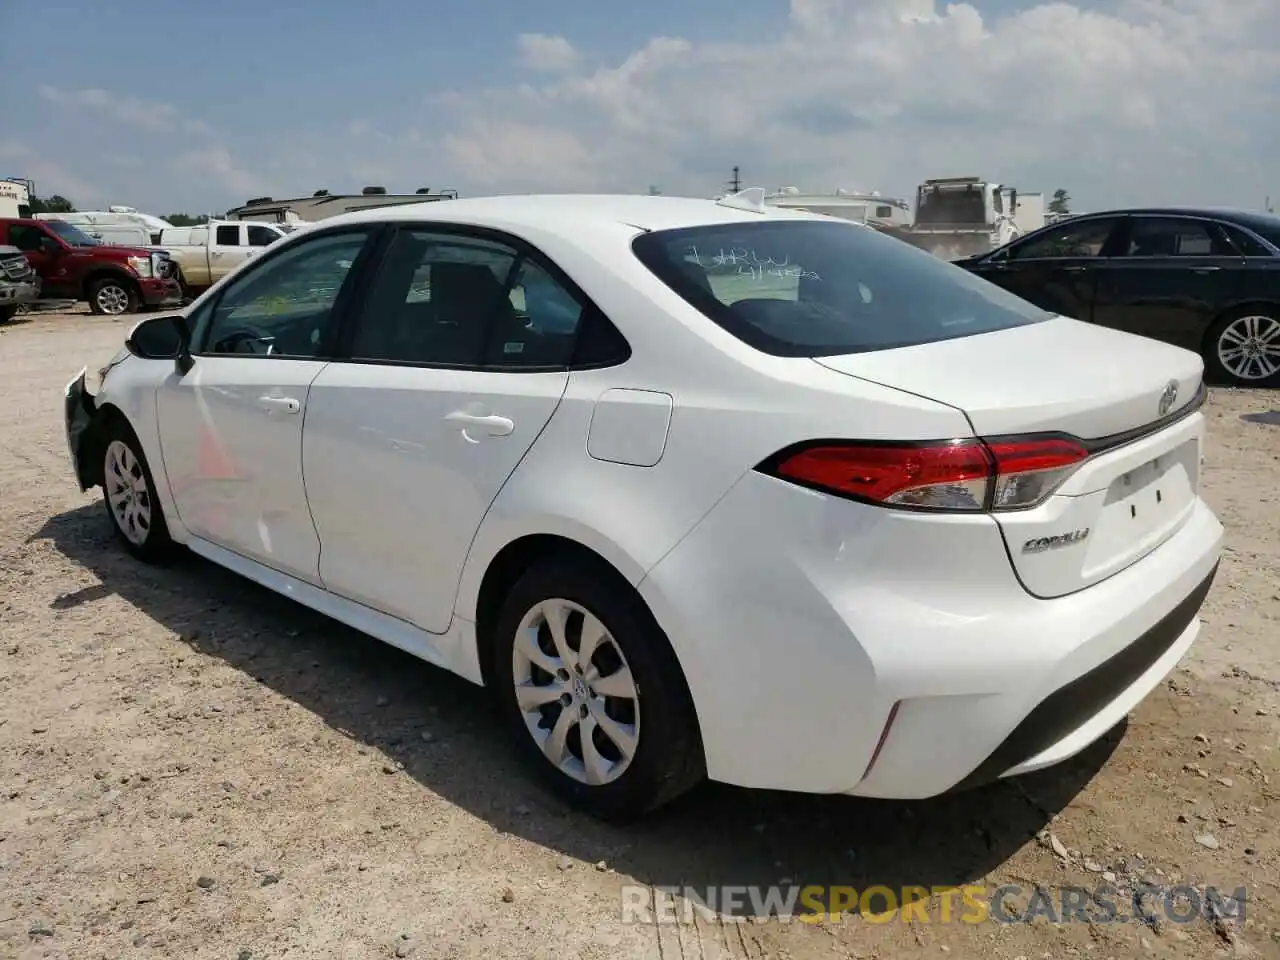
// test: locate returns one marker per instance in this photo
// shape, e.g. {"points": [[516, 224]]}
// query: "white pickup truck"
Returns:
{"points": [[207, 253]]}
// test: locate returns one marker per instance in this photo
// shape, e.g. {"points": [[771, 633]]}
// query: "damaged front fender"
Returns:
{"points": [[80, 414]]}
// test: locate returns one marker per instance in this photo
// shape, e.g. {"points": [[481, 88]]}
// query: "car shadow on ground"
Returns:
{"points": [[717, 835]]}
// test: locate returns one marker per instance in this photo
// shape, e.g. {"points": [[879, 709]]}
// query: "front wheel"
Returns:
{"points": [[112, 297], [1243, 348], [593, 693], [128, 493]]}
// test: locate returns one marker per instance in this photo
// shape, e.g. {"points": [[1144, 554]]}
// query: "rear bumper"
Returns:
{"points": [[160, 293], [805, 625], [1082, 710]]}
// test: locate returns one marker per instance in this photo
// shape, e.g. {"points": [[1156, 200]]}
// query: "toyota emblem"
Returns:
{"points": [[1168, 397]]}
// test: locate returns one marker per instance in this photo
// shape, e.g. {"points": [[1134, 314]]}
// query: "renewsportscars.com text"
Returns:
{"points": [[970, 904]]}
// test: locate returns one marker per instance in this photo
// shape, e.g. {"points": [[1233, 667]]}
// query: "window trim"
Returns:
{"points": [[1211, 227], [523, 251], [1010, 249], [351, 286]]}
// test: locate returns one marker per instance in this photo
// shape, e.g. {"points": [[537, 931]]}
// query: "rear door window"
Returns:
{"points": [[1174, 237], [813, 288]]}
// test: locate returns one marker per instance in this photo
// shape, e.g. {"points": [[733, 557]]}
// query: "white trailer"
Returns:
{"points": [[15, 198]]}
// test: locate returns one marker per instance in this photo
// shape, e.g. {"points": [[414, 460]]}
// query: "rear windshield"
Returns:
{"points": [[807, 288]]}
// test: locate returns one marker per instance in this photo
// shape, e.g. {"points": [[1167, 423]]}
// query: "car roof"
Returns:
{"points": [[1217, 213], [563, 213]]}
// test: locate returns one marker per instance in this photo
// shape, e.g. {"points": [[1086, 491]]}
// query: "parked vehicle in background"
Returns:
{"points": [[207, 253], [121, 235], [15, 198], [109, 225], [962, 216], [1207, 280], [870, 208], [19, 284], [73, 266], [866, 496]]}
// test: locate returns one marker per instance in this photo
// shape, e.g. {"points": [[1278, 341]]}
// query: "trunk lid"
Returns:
{"points": [[1060, 375], [1106, 388]]}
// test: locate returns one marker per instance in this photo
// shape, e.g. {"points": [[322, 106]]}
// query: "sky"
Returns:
{"points": [[196, 107]]}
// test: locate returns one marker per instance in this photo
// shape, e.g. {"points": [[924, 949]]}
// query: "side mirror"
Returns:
{"points": [[159, 338]]}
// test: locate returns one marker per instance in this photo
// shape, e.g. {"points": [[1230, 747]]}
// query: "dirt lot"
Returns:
{"points": [[192, 767]]}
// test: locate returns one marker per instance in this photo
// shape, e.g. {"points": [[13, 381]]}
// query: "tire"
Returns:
{"points": [[7, 313], [128, 495], [1242, 348], [667, 759], [113, 297]]}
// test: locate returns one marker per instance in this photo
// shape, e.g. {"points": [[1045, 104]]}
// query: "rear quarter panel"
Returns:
{"points": [[731, 407]]}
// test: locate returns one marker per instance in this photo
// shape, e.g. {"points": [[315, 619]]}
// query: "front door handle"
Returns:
{"points": [[492, 426], [282, 404], [1073, 269], [1205, 269]]}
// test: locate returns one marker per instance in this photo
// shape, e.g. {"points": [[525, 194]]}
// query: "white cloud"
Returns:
{"points": [[219, 164], [51, 178], [1118, 101], [148, 115], [540, 51], [1147, 100]]}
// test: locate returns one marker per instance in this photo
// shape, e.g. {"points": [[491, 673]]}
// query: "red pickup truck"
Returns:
{"points": [[73, 266]]}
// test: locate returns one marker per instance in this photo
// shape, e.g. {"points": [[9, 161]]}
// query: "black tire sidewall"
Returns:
{"points": [[1213, 366], [668, 760], [158, 544]]}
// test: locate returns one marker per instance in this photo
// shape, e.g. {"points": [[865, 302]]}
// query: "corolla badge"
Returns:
{"points": [[1040, 544], [1168, 397]]}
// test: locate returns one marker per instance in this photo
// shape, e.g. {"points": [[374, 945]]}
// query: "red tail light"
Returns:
{"points": [[964, 475]]}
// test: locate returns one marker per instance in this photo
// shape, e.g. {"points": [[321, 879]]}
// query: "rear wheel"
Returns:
{"points": [[128, 493], [113, 297], [7, 313], [1243, 348], [592, 691]]}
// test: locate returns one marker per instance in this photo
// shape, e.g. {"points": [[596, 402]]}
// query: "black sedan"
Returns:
{"points": [[1208, 280]]}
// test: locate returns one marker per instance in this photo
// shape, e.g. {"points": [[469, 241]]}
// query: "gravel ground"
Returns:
{"points": [[193, 767]]}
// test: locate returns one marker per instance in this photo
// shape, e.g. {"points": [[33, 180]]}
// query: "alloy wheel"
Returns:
{"points": [[576, 692], [1249, 347], [112, 299], [127, 492]]}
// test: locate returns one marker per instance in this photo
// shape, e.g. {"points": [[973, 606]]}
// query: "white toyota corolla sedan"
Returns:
{"points": [[699, 489]]}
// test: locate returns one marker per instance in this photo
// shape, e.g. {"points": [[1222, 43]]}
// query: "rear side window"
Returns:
{"points": [[805, 288], [1246, 243], [228, 236]]}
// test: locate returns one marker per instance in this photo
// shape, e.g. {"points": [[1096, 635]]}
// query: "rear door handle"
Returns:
{"points": [[492, 426], [1205, 269], [282, 404], [1074, 269]]}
